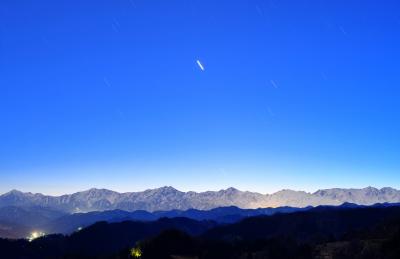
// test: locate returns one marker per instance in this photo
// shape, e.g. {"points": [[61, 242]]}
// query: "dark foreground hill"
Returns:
{"points": [[319, 224], [324, 232], [100, 239]]}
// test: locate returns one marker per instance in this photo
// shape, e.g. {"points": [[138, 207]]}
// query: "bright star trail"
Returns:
{"points": [[200, 65]]}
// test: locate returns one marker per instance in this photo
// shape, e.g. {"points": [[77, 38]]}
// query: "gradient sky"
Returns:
{"points": [[295, 94]]}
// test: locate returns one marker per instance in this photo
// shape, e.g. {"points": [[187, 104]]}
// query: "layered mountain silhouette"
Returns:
{"points": [[20, 222], [168, 198], [325, 232]]}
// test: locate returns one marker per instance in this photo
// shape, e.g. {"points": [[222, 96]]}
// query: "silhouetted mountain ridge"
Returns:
{"points": [[70, 223]]}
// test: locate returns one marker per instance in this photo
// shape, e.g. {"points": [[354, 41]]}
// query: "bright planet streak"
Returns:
{"points": [[200, 65]]}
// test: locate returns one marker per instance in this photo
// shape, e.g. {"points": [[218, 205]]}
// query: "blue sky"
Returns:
{"points": [[295, 94]]}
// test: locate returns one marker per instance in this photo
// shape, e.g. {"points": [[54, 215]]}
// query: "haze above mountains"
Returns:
{"points": [[168, 198]]}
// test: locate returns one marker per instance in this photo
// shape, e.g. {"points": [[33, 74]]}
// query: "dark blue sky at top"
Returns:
{"points": [[295, 94]]}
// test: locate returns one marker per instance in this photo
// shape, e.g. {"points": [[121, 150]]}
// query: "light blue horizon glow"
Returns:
{"points": [[199, 95]]}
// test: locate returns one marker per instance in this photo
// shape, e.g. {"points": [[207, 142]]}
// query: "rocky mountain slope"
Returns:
{"points": [[168, 198]]}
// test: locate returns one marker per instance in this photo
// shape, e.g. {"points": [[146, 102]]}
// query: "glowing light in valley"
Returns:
{"points": [[35, 235], [200, 65]]}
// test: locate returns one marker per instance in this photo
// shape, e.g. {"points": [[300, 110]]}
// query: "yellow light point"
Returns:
{"points": [[136, 252]]}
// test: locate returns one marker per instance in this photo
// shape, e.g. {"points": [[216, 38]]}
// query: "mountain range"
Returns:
{"points": [[168, 198]]}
